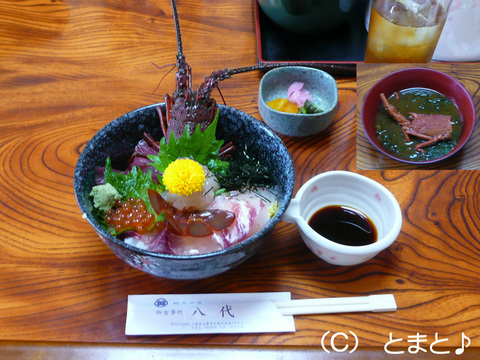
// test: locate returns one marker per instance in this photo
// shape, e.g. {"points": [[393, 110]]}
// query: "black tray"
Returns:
{"points": [[339, 49]]}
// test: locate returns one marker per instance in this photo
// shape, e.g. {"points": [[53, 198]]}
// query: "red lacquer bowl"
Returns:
{"points": [[425, 78]]}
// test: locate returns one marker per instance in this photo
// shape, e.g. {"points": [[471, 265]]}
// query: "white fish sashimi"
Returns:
{"points": [[251, 213]]}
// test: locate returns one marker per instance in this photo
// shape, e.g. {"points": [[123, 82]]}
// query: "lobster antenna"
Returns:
{"points": [[177, 29], [240, 70], [346, 68]]}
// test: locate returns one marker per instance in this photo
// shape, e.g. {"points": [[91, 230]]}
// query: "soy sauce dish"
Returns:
{"points": [[327, 202], [427, 100]]}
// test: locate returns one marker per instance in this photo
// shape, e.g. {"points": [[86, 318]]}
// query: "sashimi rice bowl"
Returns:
{"points": [[185, 207]]}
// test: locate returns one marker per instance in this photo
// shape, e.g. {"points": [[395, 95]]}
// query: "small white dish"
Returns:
{"points": [[352, 190]]}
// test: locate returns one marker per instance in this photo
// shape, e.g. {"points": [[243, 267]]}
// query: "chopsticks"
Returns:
{"points": [[375, 303]]}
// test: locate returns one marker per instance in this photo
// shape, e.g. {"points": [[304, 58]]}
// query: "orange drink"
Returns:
{"points": [[405, 30]]}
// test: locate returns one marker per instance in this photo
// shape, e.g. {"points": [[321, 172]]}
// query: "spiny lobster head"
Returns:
{"points": [[195, 107], [189, 106], [189, 111]]}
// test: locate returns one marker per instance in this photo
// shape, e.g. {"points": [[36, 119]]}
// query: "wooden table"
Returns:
{"points": [[67, 68]]}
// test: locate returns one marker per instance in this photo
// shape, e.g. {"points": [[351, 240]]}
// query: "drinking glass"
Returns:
{"points": [[405, 30]]}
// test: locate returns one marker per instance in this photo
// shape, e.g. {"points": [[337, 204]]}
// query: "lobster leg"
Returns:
{"points": [[433, 141], [417, 134], [226, 150], [165, 119], [425, 143], [162, 121], [214, 110], [402, 120], [399, 118]]}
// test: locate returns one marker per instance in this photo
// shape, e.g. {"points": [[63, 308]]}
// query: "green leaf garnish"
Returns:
{"points": [[133, 184], [202, 147]]}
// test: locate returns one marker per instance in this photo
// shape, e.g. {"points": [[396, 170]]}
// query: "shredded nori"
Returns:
{"points": [[245, 172]]}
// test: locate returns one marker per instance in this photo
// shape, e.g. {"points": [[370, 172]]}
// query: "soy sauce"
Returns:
{"points": [[344, 225]]}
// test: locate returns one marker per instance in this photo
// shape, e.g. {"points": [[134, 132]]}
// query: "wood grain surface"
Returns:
{"points": [[69, 67]]}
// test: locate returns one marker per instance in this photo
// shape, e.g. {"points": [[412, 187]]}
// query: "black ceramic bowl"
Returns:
{"points": [[118, 139]]}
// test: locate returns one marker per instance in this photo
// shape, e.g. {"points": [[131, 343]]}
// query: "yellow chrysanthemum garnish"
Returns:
{"points": [[183, 177]]}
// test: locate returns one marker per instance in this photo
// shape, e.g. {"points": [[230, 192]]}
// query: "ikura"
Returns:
{"points": [[130, 215]]}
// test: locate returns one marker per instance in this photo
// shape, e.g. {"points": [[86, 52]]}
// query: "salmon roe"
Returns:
{"points": [[130, 215]]}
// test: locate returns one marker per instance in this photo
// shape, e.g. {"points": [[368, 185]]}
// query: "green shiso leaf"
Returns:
{"points": [[133, 184], [202, 147]]}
